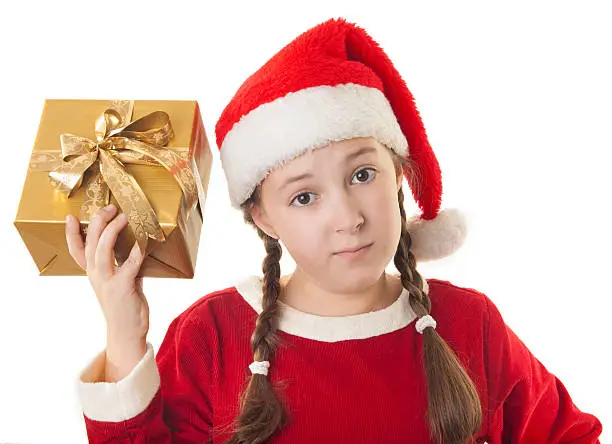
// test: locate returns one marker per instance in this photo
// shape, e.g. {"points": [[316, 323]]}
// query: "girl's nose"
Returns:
{"points": [[347, 214]]}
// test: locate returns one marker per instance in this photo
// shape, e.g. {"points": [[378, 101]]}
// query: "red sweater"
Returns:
{"points": [[355, 379]]}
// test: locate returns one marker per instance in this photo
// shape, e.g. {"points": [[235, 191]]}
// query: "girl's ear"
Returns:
{"points": [[260, 218], [399, 173]]}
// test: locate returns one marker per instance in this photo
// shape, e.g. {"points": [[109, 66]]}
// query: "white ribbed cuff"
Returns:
{"points": [[121, 400]]}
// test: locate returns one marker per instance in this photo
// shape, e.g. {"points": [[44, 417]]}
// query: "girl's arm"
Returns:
{"points": [[529, 404], [165, 399]]}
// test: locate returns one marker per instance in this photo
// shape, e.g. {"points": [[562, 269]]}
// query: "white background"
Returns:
{"points": [[516, 102]]}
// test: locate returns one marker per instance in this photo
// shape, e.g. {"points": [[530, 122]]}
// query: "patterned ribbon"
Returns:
{"points": [[119, 141]]}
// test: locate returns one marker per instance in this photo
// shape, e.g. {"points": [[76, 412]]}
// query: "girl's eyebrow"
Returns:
{"points": [[295, 179], [359, 152]]}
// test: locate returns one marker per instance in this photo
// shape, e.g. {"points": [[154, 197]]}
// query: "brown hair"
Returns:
{"points": [[454, 411]]}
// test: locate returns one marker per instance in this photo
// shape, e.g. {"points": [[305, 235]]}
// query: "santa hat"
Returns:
{"points": [[334, 82]]}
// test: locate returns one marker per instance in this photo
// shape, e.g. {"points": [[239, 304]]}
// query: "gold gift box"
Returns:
{"points": [[41, 216]]}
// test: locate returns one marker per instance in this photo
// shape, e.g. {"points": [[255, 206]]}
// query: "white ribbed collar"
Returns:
{"points": [[333, 328]]}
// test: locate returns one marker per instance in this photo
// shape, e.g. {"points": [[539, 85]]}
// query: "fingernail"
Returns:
{"points": [[109, 207], [67, 218]]}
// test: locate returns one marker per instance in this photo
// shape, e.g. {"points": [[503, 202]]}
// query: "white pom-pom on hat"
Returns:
{"points": [[439, 237]]}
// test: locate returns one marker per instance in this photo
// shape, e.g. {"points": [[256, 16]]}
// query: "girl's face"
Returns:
{"points": [[331, 199]]}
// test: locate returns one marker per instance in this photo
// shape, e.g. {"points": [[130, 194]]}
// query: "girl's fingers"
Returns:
{"points": [[131, 266], [96, 226], [105, 253], [76, 246]]}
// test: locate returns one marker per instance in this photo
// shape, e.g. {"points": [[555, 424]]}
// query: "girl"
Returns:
{"points": [[315, 146]]}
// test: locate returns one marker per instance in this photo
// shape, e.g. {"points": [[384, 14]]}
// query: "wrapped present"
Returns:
{"points": [[150, 158]]}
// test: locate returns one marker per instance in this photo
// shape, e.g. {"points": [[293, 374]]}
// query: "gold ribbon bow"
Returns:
{"points": [[119, 141]]}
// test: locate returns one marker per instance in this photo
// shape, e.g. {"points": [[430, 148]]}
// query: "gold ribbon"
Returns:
{"points": [[119, 141]]}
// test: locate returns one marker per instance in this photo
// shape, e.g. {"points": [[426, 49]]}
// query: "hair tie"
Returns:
{"points": [[424, 322], [260, 367]]}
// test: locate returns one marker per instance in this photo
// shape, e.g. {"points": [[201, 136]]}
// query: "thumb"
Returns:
{"points": [[132, 264], [138, 282]]}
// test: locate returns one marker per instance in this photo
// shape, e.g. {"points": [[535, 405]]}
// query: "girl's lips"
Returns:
{"points": [[356, 253]]}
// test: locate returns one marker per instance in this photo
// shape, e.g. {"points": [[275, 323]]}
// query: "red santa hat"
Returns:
{"points": [[334, 82]]}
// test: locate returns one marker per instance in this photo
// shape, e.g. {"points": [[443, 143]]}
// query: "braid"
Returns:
{"points": [[454, 410], [264, 339], [261, 411], [405, 263]]}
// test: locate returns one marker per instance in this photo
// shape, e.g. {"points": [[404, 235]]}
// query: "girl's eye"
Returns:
{"points": [[304, 200], [358, 174]]}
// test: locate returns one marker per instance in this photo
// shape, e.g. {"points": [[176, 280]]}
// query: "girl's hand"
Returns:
{"points": [[118, 290]]}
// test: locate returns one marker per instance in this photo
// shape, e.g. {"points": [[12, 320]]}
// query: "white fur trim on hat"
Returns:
{"points": [[278, 131], [439, 237]]}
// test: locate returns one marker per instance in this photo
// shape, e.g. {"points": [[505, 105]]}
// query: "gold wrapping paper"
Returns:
{"points": [[150, 158]]}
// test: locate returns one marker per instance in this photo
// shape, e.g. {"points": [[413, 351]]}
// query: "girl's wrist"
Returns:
{"points": [[121, 338], [121, 358]]}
